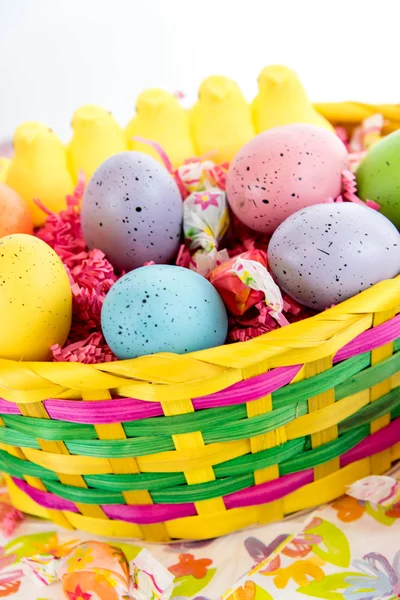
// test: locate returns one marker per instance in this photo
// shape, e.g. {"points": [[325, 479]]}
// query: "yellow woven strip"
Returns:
{"points": [[58, 447], [262, 442], [318, 402], [327, 489], [318, 492], [194, 441], [396, 380], [325, 417], [154, 532], [163, 462], [167, 378], [381, 462], [395, 451]]}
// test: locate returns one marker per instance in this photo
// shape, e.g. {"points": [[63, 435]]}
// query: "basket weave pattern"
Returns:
{"points": [[165, 446]]}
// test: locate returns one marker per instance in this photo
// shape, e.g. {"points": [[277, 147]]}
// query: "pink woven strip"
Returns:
{"points": [[260, 494], [131, 409]]}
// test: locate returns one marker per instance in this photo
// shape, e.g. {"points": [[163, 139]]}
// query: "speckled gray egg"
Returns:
{"points": [[326, 253], [132, 211], [163, 308]]}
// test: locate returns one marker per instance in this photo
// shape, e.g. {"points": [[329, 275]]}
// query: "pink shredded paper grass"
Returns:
{"points": [[92, 275]]}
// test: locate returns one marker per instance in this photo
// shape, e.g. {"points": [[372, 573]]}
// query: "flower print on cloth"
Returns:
{"points": [[303, 572], [378, 578], [376, 489], [348, 509], [10, 581], [259, 551], [189, 565]]}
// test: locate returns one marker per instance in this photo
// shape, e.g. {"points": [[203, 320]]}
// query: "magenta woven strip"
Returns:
{"points": [[149, 513], [131, 409], [260, 494], [269, 491], [102, 411], [46, 499], [8, 408], [249, 389], [371, 339], [378, 441]]}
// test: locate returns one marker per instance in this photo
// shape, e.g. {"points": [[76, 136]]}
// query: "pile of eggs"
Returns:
{"points": [[278, 184]]}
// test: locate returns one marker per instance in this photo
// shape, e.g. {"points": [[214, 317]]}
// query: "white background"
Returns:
{"points": [[58, 54]]}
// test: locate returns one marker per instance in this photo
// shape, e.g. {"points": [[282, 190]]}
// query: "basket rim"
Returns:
{"points": [[171, 377]]}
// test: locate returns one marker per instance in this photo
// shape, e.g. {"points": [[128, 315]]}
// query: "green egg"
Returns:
{"points": [[378, 176]]}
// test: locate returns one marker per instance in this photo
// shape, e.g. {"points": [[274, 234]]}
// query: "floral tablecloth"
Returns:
{"points": [[203, 570]]}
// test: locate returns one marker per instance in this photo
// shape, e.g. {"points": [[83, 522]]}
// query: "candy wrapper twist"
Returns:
{"points": [[205, 222], [244, 281], [376, 489], [98, 570]]}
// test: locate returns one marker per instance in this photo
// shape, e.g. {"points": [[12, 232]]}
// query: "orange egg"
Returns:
{"points": [[15, 216]]}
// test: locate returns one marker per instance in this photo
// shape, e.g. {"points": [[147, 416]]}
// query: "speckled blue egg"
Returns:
{"points": [[326, 253], [162, 308], [132, 211]]}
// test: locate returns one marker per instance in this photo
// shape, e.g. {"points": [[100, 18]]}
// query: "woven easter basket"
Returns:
{"points": [[168, 447]]}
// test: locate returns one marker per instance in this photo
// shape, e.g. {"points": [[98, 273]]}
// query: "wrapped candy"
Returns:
{"points": [[376, 489], [197, 175], [205, 222], [99, 570], [244, 281], [363, 138]]}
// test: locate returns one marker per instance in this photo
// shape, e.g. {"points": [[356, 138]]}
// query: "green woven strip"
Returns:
{"points": [[18, 468], [47, 429], [382, 406], [317, 456], [138, 481], [247, 428], [195, 421], [15, 438], [308, 388], [369, 377], [259, 460], [122, 448], [213, 489]]}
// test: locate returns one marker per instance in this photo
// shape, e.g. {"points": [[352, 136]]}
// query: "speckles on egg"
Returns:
{"points": [[129, 192], [327, 253], [163, 308], [281, 170]]}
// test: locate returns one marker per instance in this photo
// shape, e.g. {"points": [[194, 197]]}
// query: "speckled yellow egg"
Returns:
{"points": [[35, 299]]}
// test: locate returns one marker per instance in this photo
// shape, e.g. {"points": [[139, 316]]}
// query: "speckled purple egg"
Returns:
{"points": [[326, 253], [282, 170], [132, 210]]}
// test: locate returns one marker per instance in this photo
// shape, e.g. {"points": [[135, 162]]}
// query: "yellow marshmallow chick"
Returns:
{"points": [[221, 119], [38, 169], [4, 166], [160, 118], [282, 99], [96, 137]]}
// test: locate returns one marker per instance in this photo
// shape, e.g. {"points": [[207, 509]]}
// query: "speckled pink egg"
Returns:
{"points": [[283, 170]]}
